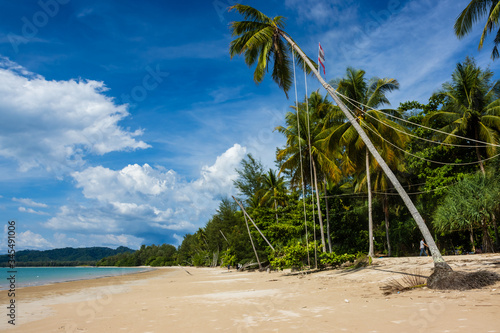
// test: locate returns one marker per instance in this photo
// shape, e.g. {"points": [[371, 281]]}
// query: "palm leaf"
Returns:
{"points": [[250, 13]]}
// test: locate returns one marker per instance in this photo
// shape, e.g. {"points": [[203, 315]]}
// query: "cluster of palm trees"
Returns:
{"points": [[332, 148], [327, 142]]}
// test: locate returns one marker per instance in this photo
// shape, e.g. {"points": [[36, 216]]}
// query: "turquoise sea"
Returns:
{"points": [[36, 276]]}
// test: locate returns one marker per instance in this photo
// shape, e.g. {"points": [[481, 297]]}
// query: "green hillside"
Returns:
{"points": [[63, 257]]}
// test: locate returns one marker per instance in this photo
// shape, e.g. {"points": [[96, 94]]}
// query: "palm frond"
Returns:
{"points": [[492, 121], [250, 13], [492, 20], [486, 134]]}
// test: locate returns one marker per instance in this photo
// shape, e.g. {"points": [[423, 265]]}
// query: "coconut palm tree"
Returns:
{"points": [[475, 11], [363, 96], [274, 190], [310, 146], [471, 108], [259, 38]]}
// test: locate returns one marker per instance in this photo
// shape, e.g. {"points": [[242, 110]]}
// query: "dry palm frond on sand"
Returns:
{"points": [[407, 282]]}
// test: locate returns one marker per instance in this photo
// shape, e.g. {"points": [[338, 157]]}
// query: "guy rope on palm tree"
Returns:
{"points": [[261, 40]]}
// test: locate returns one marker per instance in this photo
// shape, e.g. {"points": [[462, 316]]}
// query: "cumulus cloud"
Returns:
{"points": [[219, 177], [55, 124], [31, 240], [130, 183], [144, 199]]}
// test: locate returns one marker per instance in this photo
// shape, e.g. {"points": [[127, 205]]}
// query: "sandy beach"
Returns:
{"points": [[218, 300]]}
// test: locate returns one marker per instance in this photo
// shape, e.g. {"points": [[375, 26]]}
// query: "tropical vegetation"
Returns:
{"points": [[354, 176]]}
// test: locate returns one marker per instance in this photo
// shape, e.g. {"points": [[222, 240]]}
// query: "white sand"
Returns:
{"points": [[213, 300]]}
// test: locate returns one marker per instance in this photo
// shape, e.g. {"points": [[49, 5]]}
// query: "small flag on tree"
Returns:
{"points": [[321, 58]]}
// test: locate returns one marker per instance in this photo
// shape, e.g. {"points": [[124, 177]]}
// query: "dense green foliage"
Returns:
{"points": [[470, 205], [164, 255], [447, 177], [63, 257]]}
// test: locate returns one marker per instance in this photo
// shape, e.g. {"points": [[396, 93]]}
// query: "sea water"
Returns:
{"points": [[36, 276]]}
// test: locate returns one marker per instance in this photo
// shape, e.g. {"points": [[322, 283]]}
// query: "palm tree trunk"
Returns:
{"points": [[439, 262], [497, 239], [276, 210], [478, 153], [320, 218], [386, 215], [487, 243], [473, 247], [327, 219], [370, 217]]}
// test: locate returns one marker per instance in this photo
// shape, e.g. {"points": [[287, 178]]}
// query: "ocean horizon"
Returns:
{"points": [[37, 276]]}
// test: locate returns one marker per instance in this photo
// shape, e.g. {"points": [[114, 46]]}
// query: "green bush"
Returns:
{"points": [[335, 260], [289, 256]]}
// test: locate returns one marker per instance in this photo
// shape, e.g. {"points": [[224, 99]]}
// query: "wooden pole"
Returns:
{"points": [[251, 240], [224, 236], [245, 212]]}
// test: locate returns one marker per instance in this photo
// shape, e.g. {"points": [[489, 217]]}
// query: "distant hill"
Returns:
{"points": [[63, 257]]}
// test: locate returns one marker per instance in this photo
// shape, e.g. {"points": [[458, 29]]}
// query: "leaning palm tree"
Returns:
{"points": [[471, 109], [363, 96], [260, 38], [474, 11]]}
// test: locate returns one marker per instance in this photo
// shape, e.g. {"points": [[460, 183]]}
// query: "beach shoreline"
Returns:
{"points": [[215, 299], [37, 283]]}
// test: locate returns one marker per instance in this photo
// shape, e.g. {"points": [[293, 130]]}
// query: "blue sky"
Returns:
{"points": [[122, 122]]}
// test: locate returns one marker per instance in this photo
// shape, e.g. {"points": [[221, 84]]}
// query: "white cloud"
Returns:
{"points": [[142, 199], [31, 211], [29, 202], [178, 238], [219, 177], [133, 181], [31, 240], [55, 124]]}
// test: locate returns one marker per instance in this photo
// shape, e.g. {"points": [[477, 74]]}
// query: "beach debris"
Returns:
{"points": [[346, 300], [407, 282]]}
